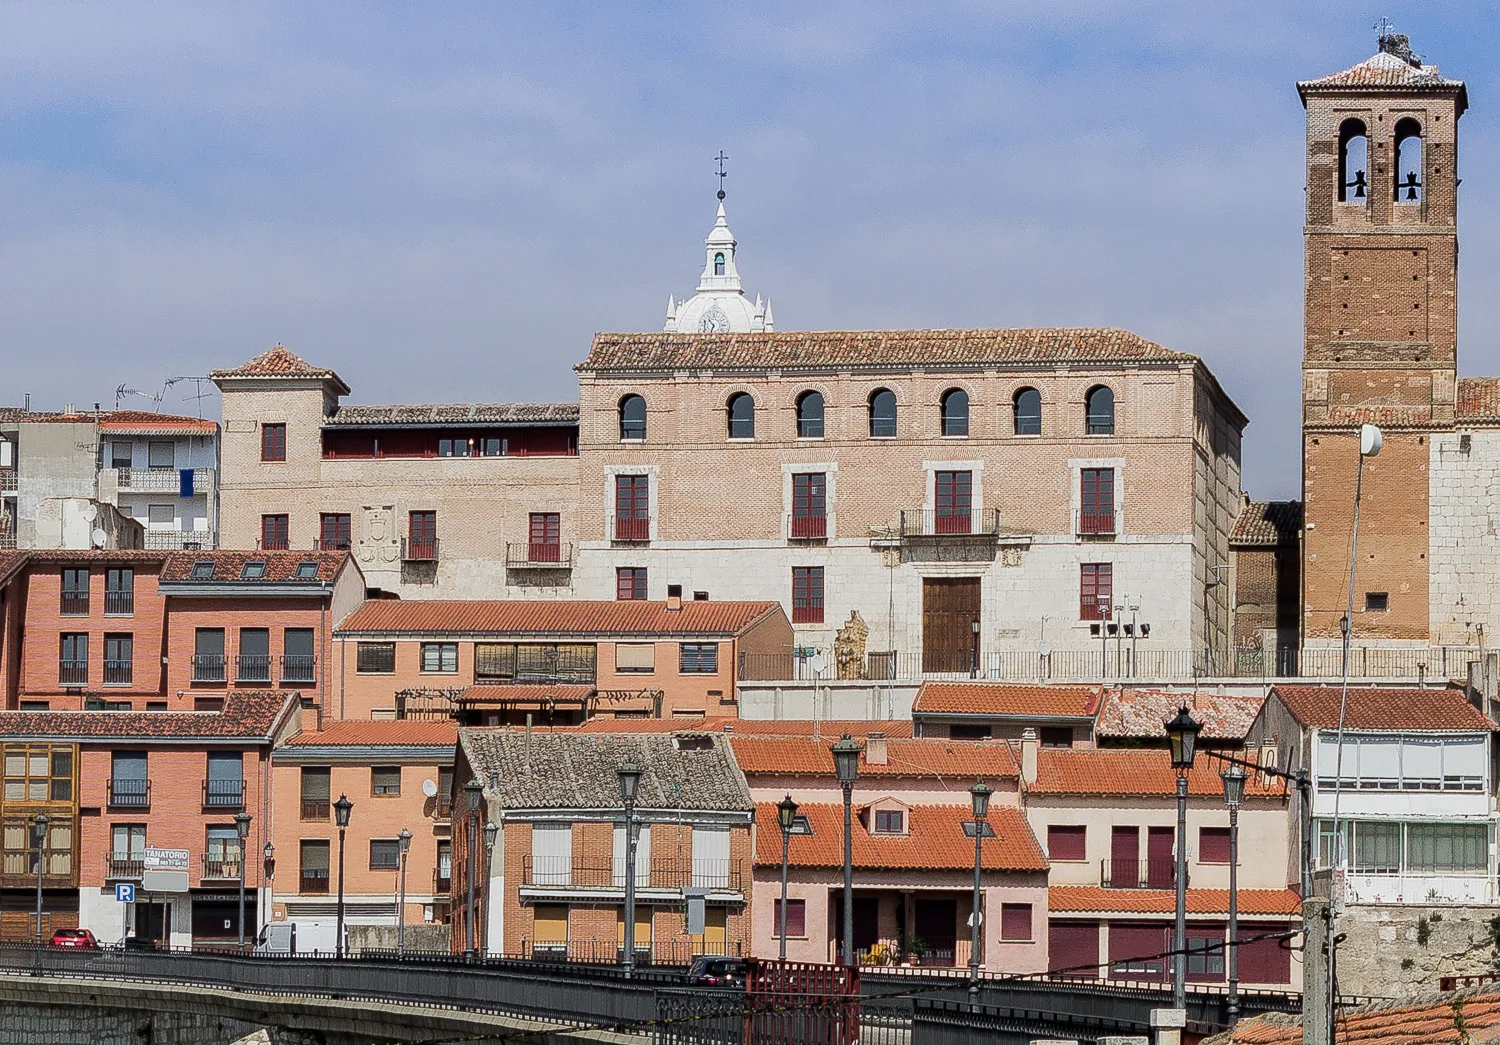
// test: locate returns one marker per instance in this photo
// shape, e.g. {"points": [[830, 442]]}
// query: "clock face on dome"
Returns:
{"points": [[714, 321]]}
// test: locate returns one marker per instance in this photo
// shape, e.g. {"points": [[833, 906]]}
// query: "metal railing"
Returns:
{"points": [[161, 480], [313, 880], [807, 527], [209, 667], [632, 529], [179, 540], [669, 873], [118, 672], [129, 794], [1159, 873], [73, 673], [419, 551], [224, 794], [119, 603], [74, 604], [123, 865], [442, 884], [222, 868], [299, 667], [539, 555], [946, 522], [332, 544], [252, 667], [314, 809], [1095, 524]]}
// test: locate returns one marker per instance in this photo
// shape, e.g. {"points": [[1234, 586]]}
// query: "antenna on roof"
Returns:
{"points": [[123, 391], [198, 392], [721, 173]]}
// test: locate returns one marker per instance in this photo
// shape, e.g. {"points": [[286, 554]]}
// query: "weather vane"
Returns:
{"points": [[722, 173]]}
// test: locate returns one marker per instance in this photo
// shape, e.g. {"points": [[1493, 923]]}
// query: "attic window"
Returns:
{"points": [[692, 742], [801, 825], [203, 570], [253, 571], [890, 822], [307, 571], [989, 832]]}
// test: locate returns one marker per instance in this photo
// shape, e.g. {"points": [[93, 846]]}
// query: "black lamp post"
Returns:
{"points": [[786, 816], [341, 810], [1234, 794], [846, 767], [491, 830], [1182, 737], [404, 841], [979, 794], [39, 836], [242, 828], [268, 865], [473, 797], [974, 649], [630, 779]]}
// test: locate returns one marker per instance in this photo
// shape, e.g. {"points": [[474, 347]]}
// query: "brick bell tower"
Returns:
{"points": [[1380, 333]]}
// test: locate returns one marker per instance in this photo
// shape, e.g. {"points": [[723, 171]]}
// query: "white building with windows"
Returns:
{"points": [[163, 472]]}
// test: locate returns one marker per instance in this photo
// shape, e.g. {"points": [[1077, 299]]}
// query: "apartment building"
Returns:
{"points": [[557, 872], [163, 472], [555, 662], [1063, 716], [149, 798]]}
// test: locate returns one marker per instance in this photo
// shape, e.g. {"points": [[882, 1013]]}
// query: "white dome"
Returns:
{"points": [[720, 306]]}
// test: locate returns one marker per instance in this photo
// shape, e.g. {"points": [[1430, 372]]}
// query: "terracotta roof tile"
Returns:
{"points": [[1381, 70], [1317, 707], [145, 422], [362, 733], [1394, 416], [229, 566], [1145, 772], [279, 361], [525, 693], [740, 727], [251, 714], [1141, 714], [935, 840], [596, 619], [1478, 399], [418, 416], [1004, 699], [1268, 523], [1075, 899], [919, 757], [1469, 1017], [856, 348], [11, 563]]}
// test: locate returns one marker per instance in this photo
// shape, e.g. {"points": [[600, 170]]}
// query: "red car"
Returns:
{"points": [[82, 939]]}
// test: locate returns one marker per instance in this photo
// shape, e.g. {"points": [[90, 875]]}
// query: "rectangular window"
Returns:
{"points": [[552, 854], [224, 787], [119, 657], [544, 537], [809, 505], [273, 442], [121, 454], [889, 821], [953, 501], [1015, 921], [635, 657], [275, 532], [630, 583], [549, 928], [1435, 849], [73, 660], [161, 454], [1067, 841], [385, 854], [1377, 602], [1095, 590], [119, 591], [699, 658], [375, 658], [1205, 958], [444, 791], [335, 531], [385, 780], [208, 655], [128, 841], [314, 859], [632, 508], [1056, 736], [970, 731], [161, 517], [1213, 845], [1096, 505], [254, 661], [317, 786], [75, 593], [796, 919], [129, 786], [439, 657], [297, 658], [453, 447], [422, 536], [807, 595]]}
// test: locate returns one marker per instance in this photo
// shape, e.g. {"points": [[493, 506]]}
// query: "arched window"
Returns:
{"points": [[882, 413], [632, 417], [810, 415], [1028, 411], [741, 416], [954, 408], [1408, 161], [1099, 409], [1354, 159], [719, 263]]}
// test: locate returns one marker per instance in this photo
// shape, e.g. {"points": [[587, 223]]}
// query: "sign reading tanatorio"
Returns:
{"points": [[165, 859]]}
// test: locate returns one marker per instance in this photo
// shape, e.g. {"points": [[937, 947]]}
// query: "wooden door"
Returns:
{"points": [[1124, 857], [1161, 866], [950, 606]]}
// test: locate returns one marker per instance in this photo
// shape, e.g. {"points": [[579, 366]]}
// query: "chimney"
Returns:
{"points": [[876, 752], [1028, 755], [674, 597], [27, 402]]}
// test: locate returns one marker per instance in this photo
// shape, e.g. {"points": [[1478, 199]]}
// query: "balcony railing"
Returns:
{"points": [[252, 667], [1094, 524], [224, 794], [298, 667], [1138, 874], [118, 672], [73, 673], [949, 522], [670, 873], [539, 555], [74, 604], [274, 544], [178, 540], [442, 882], [419, 551], [315, 809], [632, 529], [223, 867], [332, 544], [8, 479], [313, 880], [208, 667], [807, 527], [160, 480], [123, 865], [129, 794], [119, 603]]}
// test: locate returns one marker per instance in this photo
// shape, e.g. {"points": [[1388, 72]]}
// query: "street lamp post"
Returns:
{"points": [[1103, 603], [1182, 737], [630, 779], [404, 841], [846, 767], [979, 794], [341, 810], [39, 835], [1234, 794], [473, 797], [242, 828], [974, 649], [491, 830], [268, 865], [786, 816]]}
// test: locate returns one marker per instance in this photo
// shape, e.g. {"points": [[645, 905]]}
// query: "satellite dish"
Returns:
{"points": [[1044, 648], [429, 788], [91, 512], [100, 537], [1370, 440]]}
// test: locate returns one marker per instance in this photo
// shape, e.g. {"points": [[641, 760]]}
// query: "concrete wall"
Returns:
{"points": [[54, 459], [1464, 542], [1401, 951]]}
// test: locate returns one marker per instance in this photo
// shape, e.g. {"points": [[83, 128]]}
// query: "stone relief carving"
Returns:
{"points": [[378, 542], [849, 647]]}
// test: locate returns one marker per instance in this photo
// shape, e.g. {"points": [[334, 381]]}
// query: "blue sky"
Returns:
{"points": [[445, 201]]}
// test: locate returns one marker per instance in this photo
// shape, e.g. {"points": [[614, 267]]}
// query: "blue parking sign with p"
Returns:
{"points": [[125, 892]]}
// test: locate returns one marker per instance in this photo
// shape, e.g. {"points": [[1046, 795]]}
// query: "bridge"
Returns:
{"points": [[59, 996]]}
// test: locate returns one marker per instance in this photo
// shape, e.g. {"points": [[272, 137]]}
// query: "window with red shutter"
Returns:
{"points": [[273, 442], [1096, 507], [632, 508], [954, 499], [1213, 845], [796, 918], [1015, 921], [809, 505], [1095, 590], [275, 532], [807, 595], [1073, 949], [422, 536], [335, 531], [630, 583], [544, 537], [1067, 841]]}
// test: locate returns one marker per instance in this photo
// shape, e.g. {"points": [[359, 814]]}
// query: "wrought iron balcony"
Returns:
{"points": [[119, 603], [208, 667], [539, 555], [274, 544], [669, 873], [442, 882], [129, 794], [1095, 524], [252, 667], [74, 604], [298, 667], [224, 794], [8, 479], [949, 522], [225, 867], [807, 527], [160, 480], [118, 672], [419, 551], [632, 529], [332, 544], [73, 673], [1160, 873], [123, 866], [313, 880], [179, 540]]}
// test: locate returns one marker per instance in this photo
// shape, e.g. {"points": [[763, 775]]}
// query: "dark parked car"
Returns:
{"points": [[711, 971], [141, 943], [81, 939]]}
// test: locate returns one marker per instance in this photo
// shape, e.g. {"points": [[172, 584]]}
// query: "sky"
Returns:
{"points": [[445, 201]]}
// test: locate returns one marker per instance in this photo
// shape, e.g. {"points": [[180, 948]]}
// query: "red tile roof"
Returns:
{"points": [[435, 414], [1381, 70], [526, 693], [921, 757], [1074, 899], [555, 617], [1141, 714], [281, 567], [899, 729], [877, 348], [1005, 699], [11, 563], [935, 840], [1467, 1017], [1144, 772], [249, 714], [1317, 707], [407, 733], [1267, 524], [1478, 399], [145, 421], [278, 361]]}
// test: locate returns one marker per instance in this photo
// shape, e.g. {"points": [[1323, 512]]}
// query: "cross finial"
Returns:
{"points": [[722, 173], [1384, 26]]}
